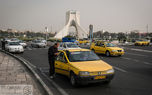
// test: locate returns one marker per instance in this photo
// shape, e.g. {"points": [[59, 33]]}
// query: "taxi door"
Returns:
{"points": [[102, 48], [61, 64], [97, 47]]}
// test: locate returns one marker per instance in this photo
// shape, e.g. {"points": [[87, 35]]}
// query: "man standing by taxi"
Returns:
{"points": [[52, 54]]}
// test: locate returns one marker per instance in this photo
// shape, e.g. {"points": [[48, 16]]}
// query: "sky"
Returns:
{"points": [[110, 15]]}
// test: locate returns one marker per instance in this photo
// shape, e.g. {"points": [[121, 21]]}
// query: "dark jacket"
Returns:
{"points": [[51, 53]]}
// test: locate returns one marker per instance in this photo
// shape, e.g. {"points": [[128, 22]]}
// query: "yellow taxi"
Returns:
{"points": [[106, 48], [83, 66], [142, 43], [83, 41]]}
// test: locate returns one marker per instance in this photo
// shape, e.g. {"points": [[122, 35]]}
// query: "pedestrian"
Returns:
{"points": [[52, 54], [3, 44]]}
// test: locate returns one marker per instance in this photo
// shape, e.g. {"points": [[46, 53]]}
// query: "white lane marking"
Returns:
{"points": [[136, 54], [130, 59], [119, 69], [140, 50], [57, 86], [126, 58], [137, 49], [147, 63], [62, 91]]}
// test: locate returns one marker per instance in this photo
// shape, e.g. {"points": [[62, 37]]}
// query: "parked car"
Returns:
{"points": [[44, 41], [83, 66], [22, 43], [67, 45], [14, 47], [14, 39], [106, 48], [38, 44], [142, 43]]}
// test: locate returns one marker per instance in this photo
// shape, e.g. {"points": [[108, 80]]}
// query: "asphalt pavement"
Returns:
{"points": [[133, 72]]}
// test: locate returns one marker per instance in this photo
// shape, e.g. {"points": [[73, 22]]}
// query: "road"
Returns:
{"points": [[133, 72]]}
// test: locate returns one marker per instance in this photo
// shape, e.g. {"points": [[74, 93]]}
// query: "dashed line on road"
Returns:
{"points": [[136, 54], [147, 63], [119, 69], [141, 50], [138, 49]]}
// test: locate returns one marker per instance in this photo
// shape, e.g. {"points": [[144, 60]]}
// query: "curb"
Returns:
{"points": [[46, 88]]}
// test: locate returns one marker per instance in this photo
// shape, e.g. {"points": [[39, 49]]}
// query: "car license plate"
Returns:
{"points": [[100, 77]]}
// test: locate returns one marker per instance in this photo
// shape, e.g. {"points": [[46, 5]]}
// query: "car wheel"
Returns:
{"points": [[107, 53], [93, 50], [21, 52], [73, 80], [107, 82], [119, 55]]}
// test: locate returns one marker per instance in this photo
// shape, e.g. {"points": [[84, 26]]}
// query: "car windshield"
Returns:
{"points": [[38, 42], [14, 43], [21, 41], [110, 45], [72, 45], [142, 40], [77, 56]]}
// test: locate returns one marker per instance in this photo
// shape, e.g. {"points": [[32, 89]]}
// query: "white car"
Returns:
{"points": [[44, 41], [38, 44], [68, 45], [14, 47], [23, 43]]}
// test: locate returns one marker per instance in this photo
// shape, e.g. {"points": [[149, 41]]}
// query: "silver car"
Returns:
{"points": [[38, 44], [67, 45]]}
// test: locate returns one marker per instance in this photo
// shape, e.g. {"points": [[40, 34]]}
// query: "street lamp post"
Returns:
{"points": [[46, 30]]}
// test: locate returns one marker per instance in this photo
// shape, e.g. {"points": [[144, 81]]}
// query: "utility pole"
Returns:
{"points": [[147, 30], [91, 33], [46, 30]]}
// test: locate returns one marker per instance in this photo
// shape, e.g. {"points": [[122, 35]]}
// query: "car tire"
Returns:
{"points": [[73, 80], [107, 82], [119, 55], [107, 53], [93, 50], [21, 52]]}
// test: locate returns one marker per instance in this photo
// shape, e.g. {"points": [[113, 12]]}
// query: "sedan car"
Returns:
{"points": [[38, 44], [142, 43], [67, 45], [107, 48], [83, 66], [22, 43], [14, 47]]}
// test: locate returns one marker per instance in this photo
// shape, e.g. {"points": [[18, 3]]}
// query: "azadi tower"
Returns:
{"points": [[72, 19]]}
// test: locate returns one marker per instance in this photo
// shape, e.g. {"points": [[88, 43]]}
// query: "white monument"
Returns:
{"points": [[72, 19]]}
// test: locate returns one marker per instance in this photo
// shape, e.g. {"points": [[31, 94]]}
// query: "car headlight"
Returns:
{"points": [[84, 73], [114, 50], [110, 71], [122, 50]]}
